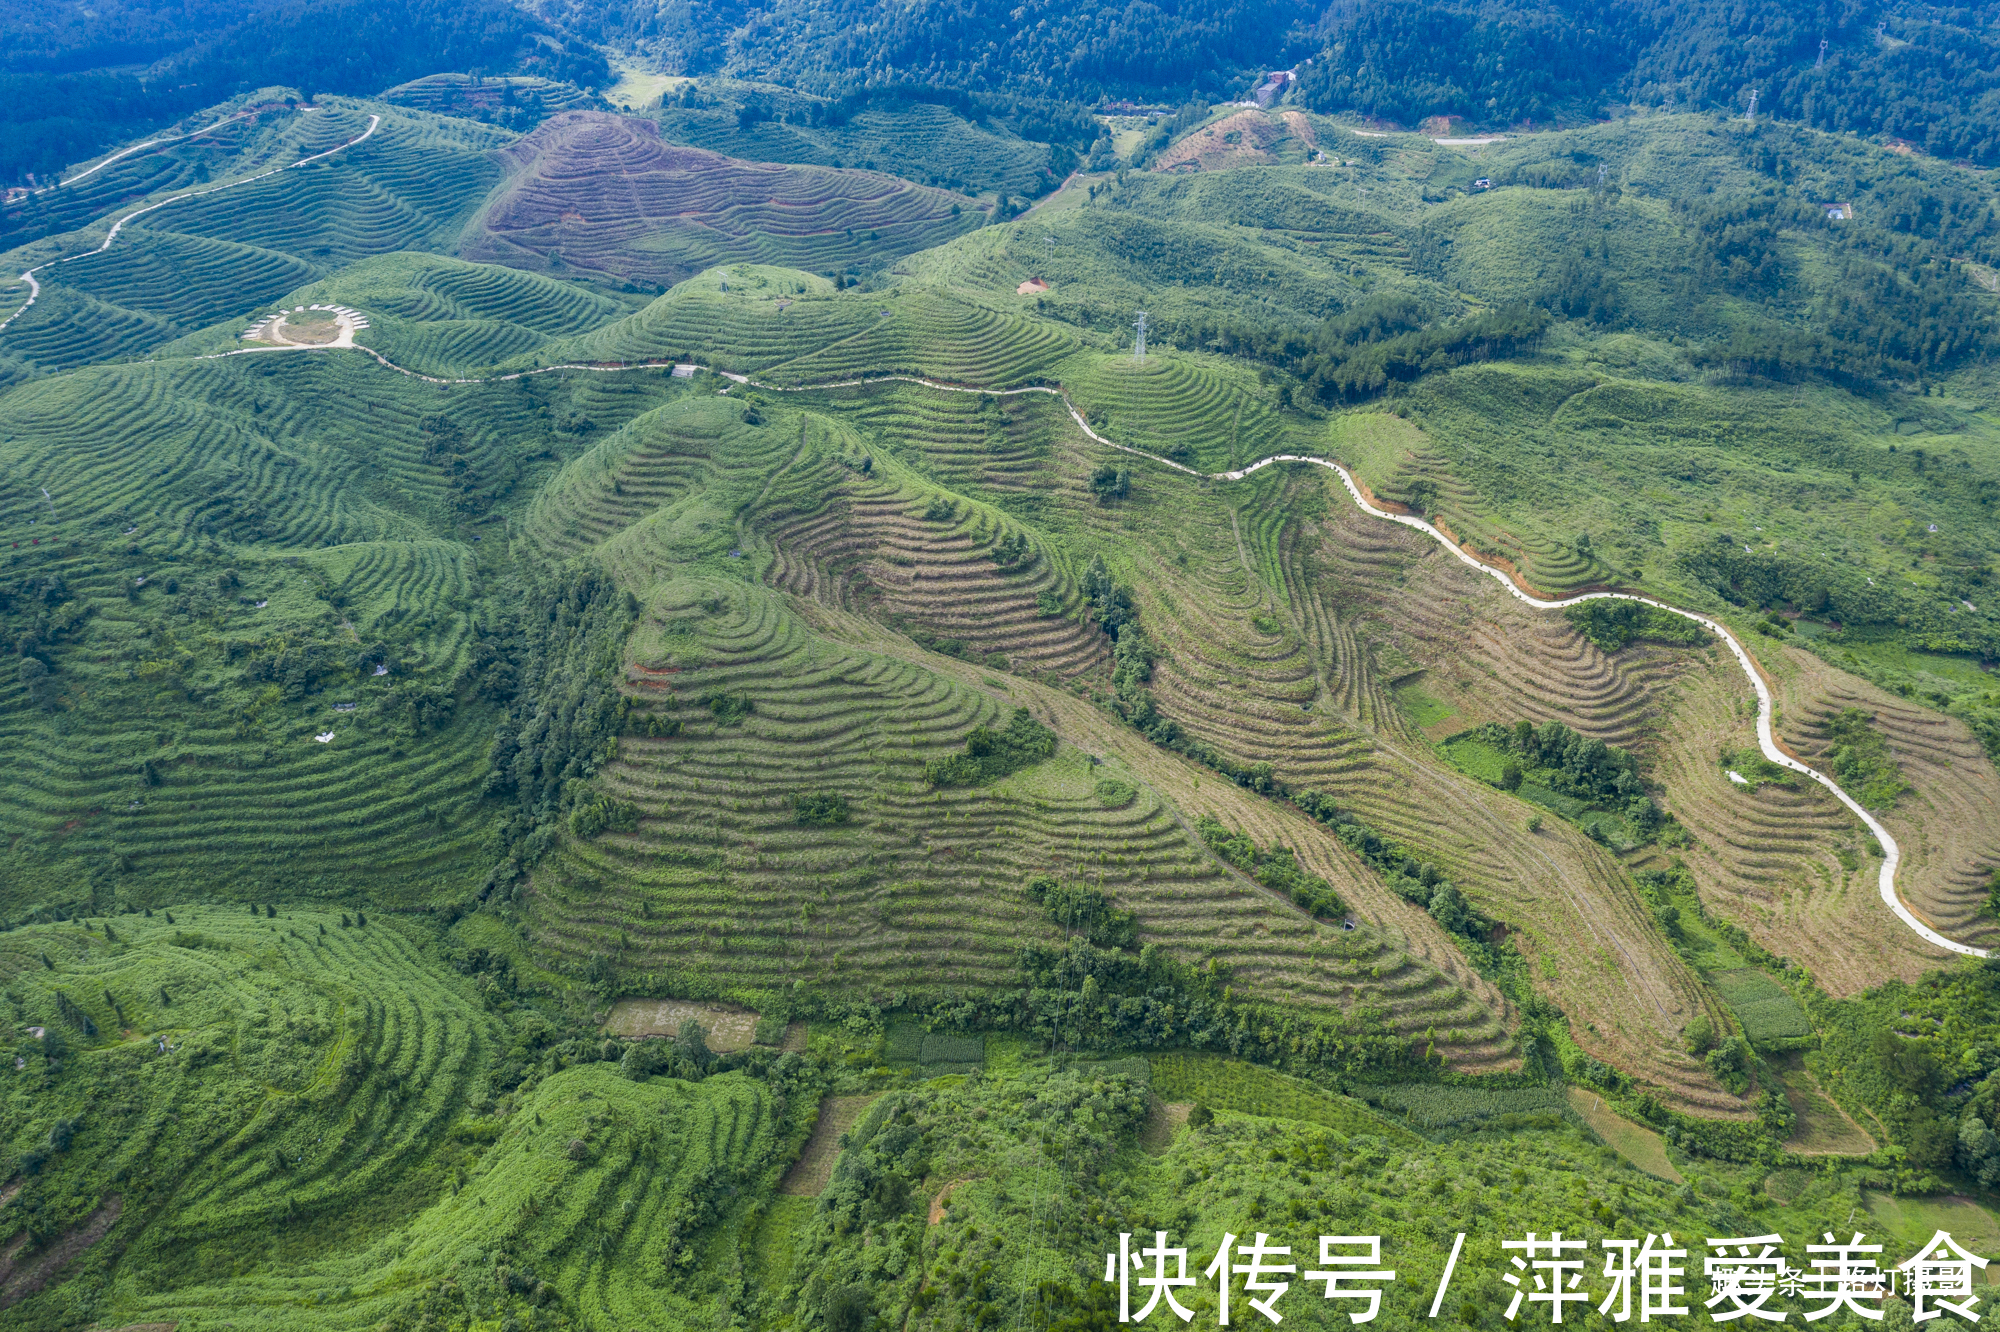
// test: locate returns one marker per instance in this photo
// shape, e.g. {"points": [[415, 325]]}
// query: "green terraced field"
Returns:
{"points": [[216, 250], [242, 1074], [987, 763]]}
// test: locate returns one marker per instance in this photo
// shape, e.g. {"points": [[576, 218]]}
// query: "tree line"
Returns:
{"points": [[59, 105]]}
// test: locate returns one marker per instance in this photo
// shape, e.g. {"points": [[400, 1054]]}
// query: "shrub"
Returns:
{"points": [[1276, 868], [1111, 484], [820, 809], [1083, 910], [989, 753], [729, 709], [601, 812], [1611, 624], [1861, 760], [1700, 1035], [847, 1309]]}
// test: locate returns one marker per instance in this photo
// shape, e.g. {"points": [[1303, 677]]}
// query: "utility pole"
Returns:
{"points": [[1139, 348]]}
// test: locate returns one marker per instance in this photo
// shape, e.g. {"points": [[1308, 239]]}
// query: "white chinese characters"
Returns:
{"points": [[1748, 1277]]}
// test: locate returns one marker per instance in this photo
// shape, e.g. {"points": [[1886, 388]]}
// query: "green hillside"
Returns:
{"points": [[733, 567], [229, 237]]}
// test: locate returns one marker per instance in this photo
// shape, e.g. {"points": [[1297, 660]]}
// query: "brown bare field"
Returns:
{"points": [[729, 1028], [808, 1176], [611, 198], [1248, 138]]}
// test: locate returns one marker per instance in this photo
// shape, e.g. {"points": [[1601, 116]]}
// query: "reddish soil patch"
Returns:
{"points": [[1030, 287], [1248, 138], [944, 1196]]}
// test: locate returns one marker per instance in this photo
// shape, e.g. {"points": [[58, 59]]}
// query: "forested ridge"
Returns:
{"points": [[75, 80], [1921, 72]]}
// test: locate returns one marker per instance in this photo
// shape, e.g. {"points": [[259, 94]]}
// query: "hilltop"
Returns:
{"points": [[602, 193]]}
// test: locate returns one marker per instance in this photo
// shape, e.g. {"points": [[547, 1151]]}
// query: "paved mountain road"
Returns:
{"points": [[35, 288], [1766, 738]]}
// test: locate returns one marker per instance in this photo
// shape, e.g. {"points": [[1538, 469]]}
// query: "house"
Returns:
{"points": [[1272, 87], [1839, 212]]}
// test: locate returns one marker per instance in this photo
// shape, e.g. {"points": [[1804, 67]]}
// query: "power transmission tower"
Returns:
{"points": [[1139, 348], [1753, 105], [1821, 62]]}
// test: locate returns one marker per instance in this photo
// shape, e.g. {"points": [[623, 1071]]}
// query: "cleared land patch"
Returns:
{"points": [[809, 1174], [1641, 1146], [1823, 1128], [728, 1028]]}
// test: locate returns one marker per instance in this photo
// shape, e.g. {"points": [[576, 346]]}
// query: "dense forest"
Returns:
{"points": [[1922, 72], [76, 79]]}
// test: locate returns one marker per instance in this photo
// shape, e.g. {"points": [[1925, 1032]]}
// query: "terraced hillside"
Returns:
{"points": [[1947, 820], [921, 142], [320, 1077], [603, 194], [440, 316], [716, 889], [211, 563], [219, 250], [776, 592], [508, 99], [792, 329]]}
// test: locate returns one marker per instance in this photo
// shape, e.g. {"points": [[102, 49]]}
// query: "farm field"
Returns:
{"points": [[724, 750]]}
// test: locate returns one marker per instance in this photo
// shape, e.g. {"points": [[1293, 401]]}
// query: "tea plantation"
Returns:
{"points": [[734, 558]]}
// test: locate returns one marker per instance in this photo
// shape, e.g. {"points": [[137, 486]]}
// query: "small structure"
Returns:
{"points": [[1839, 212], [1483, 183], [1272, 87]]}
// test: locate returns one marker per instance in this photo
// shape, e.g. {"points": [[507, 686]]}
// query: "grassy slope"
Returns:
{"points": [[205, 260], [176, 754]]}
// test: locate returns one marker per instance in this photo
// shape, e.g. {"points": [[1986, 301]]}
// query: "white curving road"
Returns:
{"points": [[124, 153], [35, 288], [1766, 738]]}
